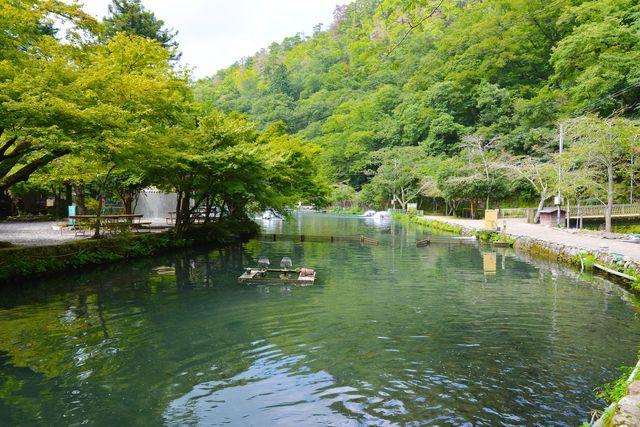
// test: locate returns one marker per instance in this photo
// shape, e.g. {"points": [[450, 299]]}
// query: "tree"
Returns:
{"points": [[604, 145], [43, 115], [541, 175], [399, 173], [133, 77], [222, 163], [131, 17], [595, 65]]}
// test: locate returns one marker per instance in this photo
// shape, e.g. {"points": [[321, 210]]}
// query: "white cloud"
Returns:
{"points": [[214, 34]]}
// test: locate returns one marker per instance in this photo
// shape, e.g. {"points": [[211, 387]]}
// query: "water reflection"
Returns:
{"points": [[389, 334]]}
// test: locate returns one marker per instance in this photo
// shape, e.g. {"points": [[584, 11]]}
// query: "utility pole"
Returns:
{"points": [[559, 199], [632, 182]]}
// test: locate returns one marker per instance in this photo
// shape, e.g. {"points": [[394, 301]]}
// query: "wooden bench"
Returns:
{"points": [[171, 220], [144, 225]]}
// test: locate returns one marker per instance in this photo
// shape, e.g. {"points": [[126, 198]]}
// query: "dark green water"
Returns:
{"points": [[389, 335]]}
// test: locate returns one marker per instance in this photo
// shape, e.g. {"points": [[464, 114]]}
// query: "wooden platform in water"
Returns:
{"points": [[274, 276], [314, 238], [453, 240]]}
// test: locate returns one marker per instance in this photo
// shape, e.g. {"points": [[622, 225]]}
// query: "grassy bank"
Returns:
{"points": [[482, 235], [20, 262]]}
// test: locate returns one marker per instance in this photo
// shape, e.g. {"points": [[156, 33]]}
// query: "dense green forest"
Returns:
{"points": [[455, 105], [455, 101], [94, 110]]}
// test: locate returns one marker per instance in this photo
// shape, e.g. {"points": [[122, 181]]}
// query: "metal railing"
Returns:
{"points": [[515, 212], [587, 211], [596, 211]]}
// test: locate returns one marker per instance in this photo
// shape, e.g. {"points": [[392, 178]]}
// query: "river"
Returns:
{"points": [[451, 334]]}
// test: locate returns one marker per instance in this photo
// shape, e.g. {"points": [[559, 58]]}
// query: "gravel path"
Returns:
{"points": [[36, 233], [45, 233]]}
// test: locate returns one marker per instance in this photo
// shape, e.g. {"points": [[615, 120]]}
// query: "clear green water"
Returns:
{"points": [[389, 335]]}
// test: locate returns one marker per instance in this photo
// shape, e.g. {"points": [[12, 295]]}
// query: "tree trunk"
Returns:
{"points": [[128, 205], [68, 193], [80, 199], [472, 208], [57, 203], [609, 208], [207, 210], [183, 213], [543, 198], [176, 224], [103, 184]]}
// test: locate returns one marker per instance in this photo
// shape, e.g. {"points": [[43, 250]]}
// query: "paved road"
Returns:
{"points": [[593, 241]]}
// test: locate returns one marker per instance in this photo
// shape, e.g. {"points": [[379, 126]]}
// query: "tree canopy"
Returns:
{"points": [[131, 17], [431, 74], [113, 114]]}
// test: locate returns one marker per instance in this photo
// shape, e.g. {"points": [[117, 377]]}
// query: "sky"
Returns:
{"points": [[213, 34]]}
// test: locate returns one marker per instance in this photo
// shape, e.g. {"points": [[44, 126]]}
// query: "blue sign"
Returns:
{"points": [[72, 212]]}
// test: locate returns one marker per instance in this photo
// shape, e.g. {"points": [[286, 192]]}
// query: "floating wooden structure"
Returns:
{"points": [[501, 244], [314, 238], [277, 276], [445, 240]]}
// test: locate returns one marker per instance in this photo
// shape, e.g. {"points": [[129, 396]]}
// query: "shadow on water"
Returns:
{"points": [[445, 335]]}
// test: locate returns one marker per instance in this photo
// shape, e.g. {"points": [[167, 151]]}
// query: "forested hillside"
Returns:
{"points": [[400, 90]]}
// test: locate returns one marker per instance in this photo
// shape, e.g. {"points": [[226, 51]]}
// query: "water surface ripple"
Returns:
{"points": [[390, 335]]}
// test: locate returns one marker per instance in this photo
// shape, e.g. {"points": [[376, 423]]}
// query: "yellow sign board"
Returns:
{"points": [[491, 219]]}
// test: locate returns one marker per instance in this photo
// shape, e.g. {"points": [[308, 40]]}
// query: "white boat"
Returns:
{"points": [[369, 214], [381, 215], [267, 215]]}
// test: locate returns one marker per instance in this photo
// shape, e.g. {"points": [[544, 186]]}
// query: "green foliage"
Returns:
{"points": [[383, 76], [131, 17], [617, 389], [587, 261], [396, 102]]}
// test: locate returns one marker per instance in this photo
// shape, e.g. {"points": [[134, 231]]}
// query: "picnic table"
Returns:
{"points": [[109, 224], [197, 216]]}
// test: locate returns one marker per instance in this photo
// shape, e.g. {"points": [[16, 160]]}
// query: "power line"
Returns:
{"points": [[596, 103]]}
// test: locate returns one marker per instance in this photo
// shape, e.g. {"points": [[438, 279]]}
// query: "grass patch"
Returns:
{"points": [[350, 211], [617, 389]]}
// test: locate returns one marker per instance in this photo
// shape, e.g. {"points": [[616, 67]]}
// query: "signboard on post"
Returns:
{"points": [[412, 207], [491, 219], [72, 212]]}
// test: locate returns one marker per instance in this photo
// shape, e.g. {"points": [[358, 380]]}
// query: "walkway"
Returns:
{"points": [[583, 240], [48, 233]]}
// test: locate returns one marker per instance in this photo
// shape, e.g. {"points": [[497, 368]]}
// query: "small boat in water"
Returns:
{"points": [[271, 214], [275, 276], [380, 216]]}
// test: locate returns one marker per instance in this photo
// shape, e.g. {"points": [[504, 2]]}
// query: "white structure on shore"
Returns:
{"points": [[153, 203]]}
